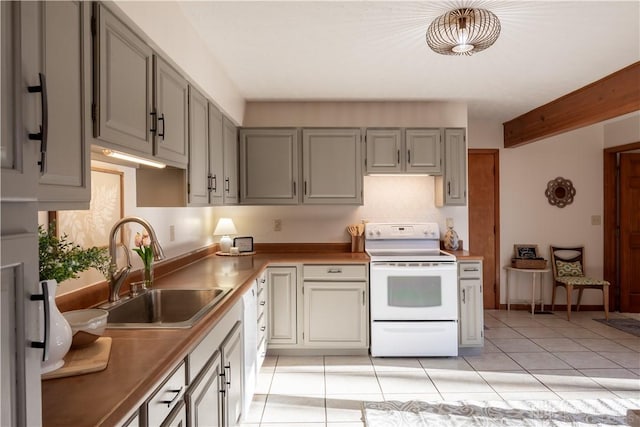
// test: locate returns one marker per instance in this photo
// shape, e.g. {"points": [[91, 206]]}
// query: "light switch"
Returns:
{"points": [[596, 220]]}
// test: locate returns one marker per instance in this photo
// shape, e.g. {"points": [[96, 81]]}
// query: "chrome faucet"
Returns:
{"points": [[117, 276]]}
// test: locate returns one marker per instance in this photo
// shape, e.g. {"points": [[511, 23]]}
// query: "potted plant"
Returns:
{"points": [[60, 260]]}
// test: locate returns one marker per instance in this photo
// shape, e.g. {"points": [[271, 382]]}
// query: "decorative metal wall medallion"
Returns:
{"points": [[560, 192]]}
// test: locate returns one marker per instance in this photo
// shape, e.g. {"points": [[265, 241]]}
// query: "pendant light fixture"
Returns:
{"points": [[463, 31]]}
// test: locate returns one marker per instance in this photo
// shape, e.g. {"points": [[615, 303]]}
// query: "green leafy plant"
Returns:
{"points": [[61, 259]]}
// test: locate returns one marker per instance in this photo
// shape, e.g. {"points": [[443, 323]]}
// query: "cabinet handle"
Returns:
{"points": [[263, 280], [334, 270], [294, 188], [470, 269], [170, 402], [210, 183], [408, 157], [305, 188], [44, 344], [263, 328], [463, 296], [228, 376], [161, 119], [44, 119], [449, 188], [154, 122], [214, 183], [263, 302], [227, 185], [398, 156], [363, 301]]}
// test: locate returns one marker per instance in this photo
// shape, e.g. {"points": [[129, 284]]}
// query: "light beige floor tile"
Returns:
{"points": [[538, 332], [405, 382], [558, 380], [454, 397], [396, 364], [576, 332], [614, 379], [254, 415], [558, 344], [609, 332], [448, 363], [290, 424], [632, 343], [348, 364], [300, 364], [516, 345], [626, 394], [403, 397], [492, 322], [635, 371], [626, 360], [538, 361], [492, 362], [456, 381], [348, 407], [596, 394], [349, 424], [534, 395], [555, 322], [285, 409], [523, 322], [298, 383], [602, 344], [501, 333], [351, 383], [586, 359], [490, 347], [270, 361], [263, 384], [511, 382]]}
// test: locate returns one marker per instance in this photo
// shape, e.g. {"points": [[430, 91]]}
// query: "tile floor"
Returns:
{"points": [[525, 357]]}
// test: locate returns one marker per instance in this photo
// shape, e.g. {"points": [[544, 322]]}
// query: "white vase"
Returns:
{"points": [[58, 339], [451, 240]]}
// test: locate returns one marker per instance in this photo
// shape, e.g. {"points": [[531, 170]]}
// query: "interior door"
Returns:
{"points": [[629, 232], [484, 219]]}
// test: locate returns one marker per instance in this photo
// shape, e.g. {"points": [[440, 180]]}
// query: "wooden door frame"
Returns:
{"points": [[496, 185], [610, 214]]}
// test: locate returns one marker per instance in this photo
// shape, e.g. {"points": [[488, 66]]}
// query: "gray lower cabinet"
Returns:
{"points": [[471, 304], [282, 305], [199, 182], [177, 417], [269, 166], [231, 189], [451, 187], [332, 166]]}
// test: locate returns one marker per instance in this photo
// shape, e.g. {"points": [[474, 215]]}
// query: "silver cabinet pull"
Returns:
{"points": [[171, 402]]}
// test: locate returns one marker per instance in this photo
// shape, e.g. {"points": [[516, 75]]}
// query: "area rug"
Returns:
{"points": [[630, 326], [556, 413]]}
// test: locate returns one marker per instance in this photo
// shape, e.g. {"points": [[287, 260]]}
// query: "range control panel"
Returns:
{"points": [[394, 231]]}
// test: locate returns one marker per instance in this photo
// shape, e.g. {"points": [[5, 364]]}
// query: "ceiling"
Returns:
{"points": [[376, 50]]}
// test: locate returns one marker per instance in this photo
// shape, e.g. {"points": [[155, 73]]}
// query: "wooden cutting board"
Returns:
{"points": [[84, 360]]}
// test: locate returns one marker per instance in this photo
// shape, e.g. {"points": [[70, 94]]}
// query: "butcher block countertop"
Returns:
{"points": [[140, 358]]}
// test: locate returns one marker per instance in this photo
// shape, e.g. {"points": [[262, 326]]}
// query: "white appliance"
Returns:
{"points": [[413, 291]]}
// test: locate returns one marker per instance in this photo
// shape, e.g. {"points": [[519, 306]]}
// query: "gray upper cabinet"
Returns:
{"points": [[65, 58], [171, 113], [423, 152], [198, 187], [230, 147], [123, 89], [332, 166], [216, 157], [384, 151], [451, 188], [269, 166]]}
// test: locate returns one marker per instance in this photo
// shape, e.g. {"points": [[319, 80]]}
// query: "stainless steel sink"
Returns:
{"points": [[164, 308]]}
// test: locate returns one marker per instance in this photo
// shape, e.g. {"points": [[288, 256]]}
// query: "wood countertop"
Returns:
{"points": [[140, 358], [466, 256]]}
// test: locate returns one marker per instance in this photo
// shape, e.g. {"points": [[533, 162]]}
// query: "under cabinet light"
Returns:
{"points": [[134, 159]]}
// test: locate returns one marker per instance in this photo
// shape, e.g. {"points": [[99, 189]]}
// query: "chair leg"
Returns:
{"points": [[569, 294], [553, 297], [605, 294], [579, 298]]}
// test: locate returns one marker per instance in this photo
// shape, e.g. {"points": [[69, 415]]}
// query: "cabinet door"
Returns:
{"points": [[384, 150], [204, 398], [198, 187], [269, 166], [171, 94], [471, 315], [18, 108], [123, 86], [332, 166], [177, 417], [230, 143], [451, 188], [335, 314], [281, 291], [424, 153], [216, 159], [232, 367], [65, 57]]}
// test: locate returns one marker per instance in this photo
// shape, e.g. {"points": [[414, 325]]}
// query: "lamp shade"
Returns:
{"points": [[225, 227], [463, 31]]}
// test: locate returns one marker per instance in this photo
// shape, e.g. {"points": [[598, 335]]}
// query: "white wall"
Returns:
{"points": [[622, 130]]}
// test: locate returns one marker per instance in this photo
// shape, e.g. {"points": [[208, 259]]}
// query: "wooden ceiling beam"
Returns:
{"points": [[611, 96]]}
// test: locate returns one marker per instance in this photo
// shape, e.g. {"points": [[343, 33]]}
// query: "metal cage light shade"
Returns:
{"points": [[463, 31]]}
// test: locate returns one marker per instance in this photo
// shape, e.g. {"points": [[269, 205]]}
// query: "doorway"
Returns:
{"points": [[622, 229], [484, 219]]}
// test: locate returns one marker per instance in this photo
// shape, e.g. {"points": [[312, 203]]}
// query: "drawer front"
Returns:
{"points": [[469, 270], [335, 272], [168, 395], [262, 282], [262, 302]]}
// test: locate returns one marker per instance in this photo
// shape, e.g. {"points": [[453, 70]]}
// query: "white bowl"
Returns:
{"points": [[86, 325]]}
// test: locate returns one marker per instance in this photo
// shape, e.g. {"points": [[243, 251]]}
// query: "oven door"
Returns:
{"points": [[413, 291]]}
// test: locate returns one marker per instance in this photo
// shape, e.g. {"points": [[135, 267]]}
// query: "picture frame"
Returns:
{"points": [[244, 244], [92, 227], [525, 251]]}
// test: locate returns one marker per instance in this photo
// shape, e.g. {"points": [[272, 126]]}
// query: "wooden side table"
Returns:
{"points": [[534, 274]]}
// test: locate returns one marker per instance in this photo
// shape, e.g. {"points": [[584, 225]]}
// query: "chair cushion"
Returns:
{"points": [[581, 281], [568, 269]]}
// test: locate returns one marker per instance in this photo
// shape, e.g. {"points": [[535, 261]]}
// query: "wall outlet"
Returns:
{"points": [[172, 233], [277, 225], [596, 220]]}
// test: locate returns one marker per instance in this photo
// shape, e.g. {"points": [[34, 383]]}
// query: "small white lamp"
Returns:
{"points": [[224, 228]]}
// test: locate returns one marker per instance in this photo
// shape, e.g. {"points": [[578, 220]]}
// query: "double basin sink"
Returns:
{"points": [[164, 308]]}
